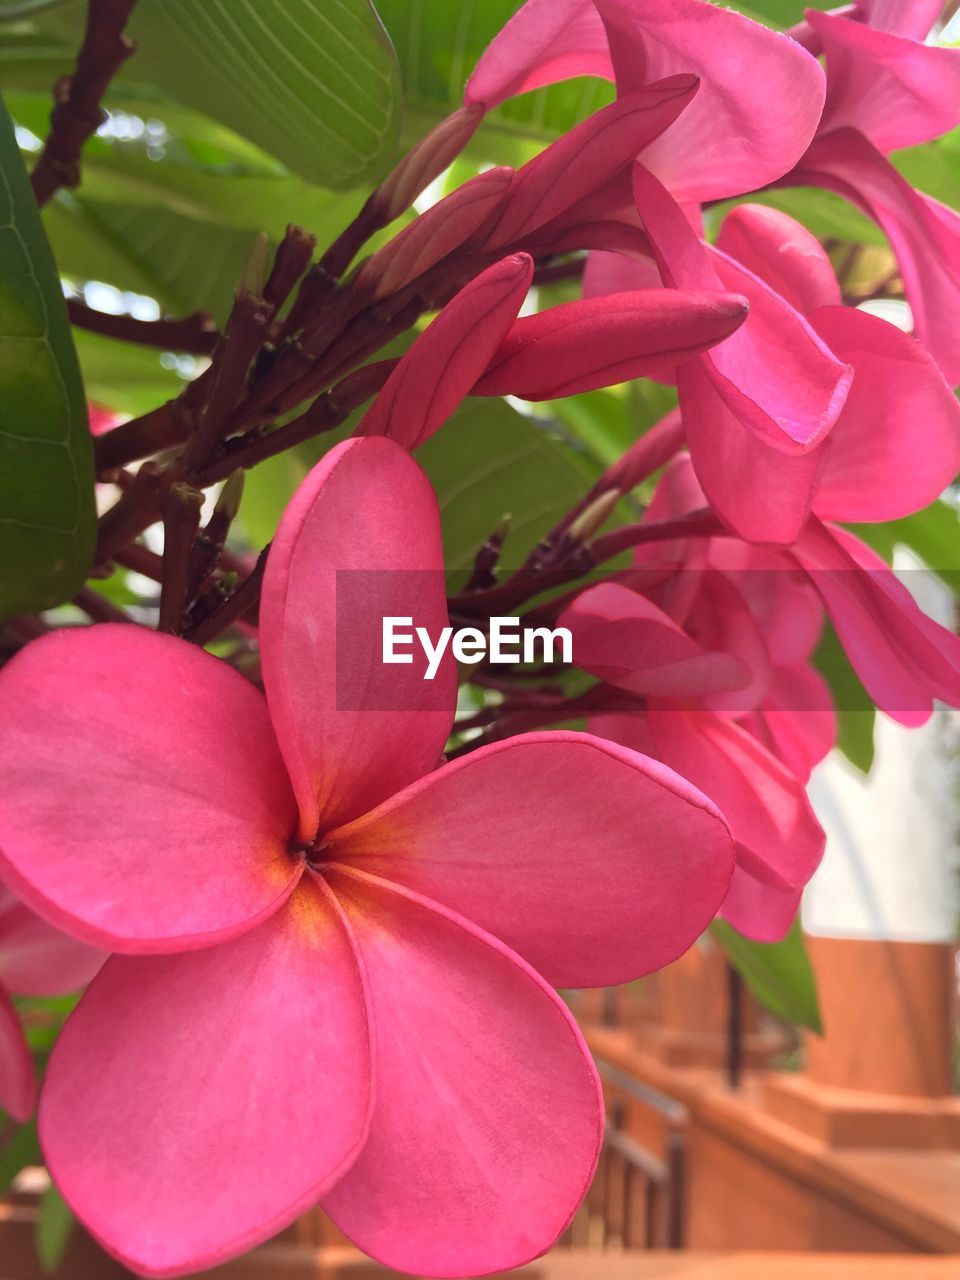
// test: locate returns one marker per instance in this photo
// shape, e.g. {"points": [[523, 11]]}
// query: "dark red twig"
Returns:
{"points": [[195, 334], [233, 608], [77, 112]]}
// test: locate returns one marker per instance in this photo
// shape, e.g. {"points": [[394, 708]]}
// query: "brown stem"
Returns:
{"points": [[246, 331], [181, 519], [135, 509], [159, 429], [98, 608], [208, 544], [327, 412], [698, 524], [196, 334], [234, 607], [581, 560], [77, 112], [140, 559], [291, 261], [559, 272]]}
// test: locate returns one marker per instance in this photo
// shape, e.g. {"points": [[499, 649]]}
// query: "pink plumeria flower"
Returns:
{"points": [[895, 445], [35, 960], [887, 89], [332, 983], [760, 98], [904, 659], [811, 406], [694, 695]]}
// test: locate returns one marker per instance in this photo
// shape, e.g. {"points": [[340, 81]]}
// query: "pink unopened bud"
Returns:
{"points": [[588, 156], [596, 342], [441, 230], [448, 357], [427, 160]]}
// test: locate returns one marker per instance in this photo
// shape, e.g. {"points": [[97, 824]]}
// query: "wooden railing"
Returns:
{"points": [[636, 1200]]}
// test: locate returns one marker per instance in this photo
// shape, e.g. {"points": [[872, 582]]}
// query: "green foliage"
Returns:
{"points": [[779, 974], [490, 461], [313, 83], [46, 471], [856, 714], [20, 1149], [52, 1232]]}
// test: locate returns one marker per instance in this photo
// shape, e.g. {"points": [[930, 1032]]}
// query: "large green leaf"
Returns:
{"points": [[439, 41], [312, 82], [124, 377], [779, 974], [47, 516], [183, 262], [488, 461]]}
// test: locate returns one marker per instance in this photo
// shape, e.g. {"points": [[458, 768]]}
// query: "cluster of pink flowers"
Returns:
{"points": [[334, 952]]}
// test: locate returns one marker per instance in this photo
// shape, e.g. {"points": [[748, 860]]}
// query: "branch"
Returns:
{"points": [[196, 334], [181, 519], [77, 112], [233, 608]]}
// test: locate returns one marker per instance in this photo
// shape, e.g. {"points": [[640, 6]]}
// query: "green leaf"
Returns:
{"points": [[18, 1151], [438, 43], [47, 527], [52, 1232], [314, 83], [486, 462], [856, 713], [489, 461], [124, 377], [933, 534], [779, 974], [181, 261]]}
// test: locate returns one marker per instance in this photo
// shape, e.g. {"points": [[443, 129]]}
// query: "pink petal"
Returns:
{"points": [[723, 621], [597, 342], [143, 802], [195, 1104], [488, 1119], [609, 273], [584, 159], [898, 92], [760, 101], [797, 721], [624, 639], [38, 960], [782, 253], [904, 658], [448, 357], [442, 229], [896, 445], [359, 541], [924, 235], [774, 373], [592, 862], [18, 1082], [758, 910], [545, 41], [915, 19], [760, 492], [779, 841]]}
